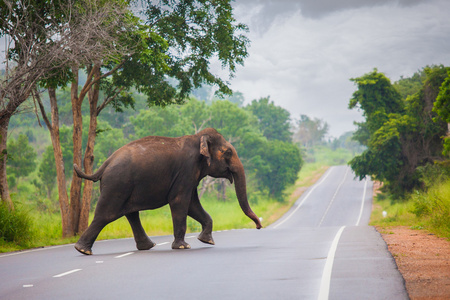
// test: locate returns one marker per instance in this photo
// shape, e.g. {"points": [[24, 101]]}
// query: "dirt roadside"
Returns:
{"points": [[422, 258]]}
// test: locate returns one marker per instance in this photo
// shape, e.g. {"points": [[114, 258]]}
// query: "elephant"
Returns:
{"points": [[154, 171]]}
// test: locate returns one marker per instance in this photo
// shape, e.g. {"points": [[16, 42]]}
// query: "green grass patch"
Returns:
{"points": [[396, 214], [433, 208], [428, 210]]}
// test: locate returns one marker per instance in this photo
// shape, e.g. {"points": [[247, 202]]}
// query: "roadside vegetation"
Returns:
{"points": [[406, 135]]}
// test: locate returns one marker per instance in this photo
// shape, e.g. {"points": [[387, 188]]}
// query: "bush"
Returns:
{"points": [[434, 207], [15, 226]]}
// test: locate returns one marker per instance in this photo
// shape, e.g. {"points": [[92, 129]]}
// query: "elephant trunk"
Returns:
{"points": [[241, 192]]}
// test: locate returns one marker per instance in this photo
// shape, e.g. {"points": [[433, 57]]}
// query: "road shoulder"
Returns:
{"points": [[422, 258]]}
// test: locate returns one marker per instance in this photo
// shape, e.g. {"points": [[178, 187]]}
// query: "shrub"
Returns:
{"points": [[15, 226], [434, 207]]}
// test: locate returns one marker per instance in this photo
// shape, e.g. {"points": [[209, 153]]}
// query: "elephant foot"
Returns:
{"points": [[83, 249], [146, 244], [180, 245], [206, 238]]}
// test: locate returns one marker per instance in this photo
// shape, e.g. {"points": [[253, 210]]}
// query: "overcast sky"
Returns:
{"points": [[303, 53]]}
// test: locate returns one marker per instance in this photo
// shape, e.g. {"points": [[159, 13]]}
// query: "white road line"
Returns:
{"points": [[28, 285], [304, 199], [160, 244], [34, 250], [362, 204], [123, 255], [334, 196], [326, 276], [66, 273]]}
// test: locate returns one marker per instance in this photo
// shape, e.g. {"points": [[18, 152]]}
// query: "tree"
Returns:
{"points": [[310, 132], [273, 120], [400, 135], [37, 47], [22, 157], [102, 24], [283, 162]]}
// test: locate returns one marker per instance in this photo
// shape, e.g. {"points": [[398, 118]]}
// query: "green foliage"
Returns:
{"points": [[47, 170], [282, 164], [196, 31], [433, 207], [273, 121], [310, 132], [15, 226], [21, 157], [442, 108], [161, 122], [400, 135]]}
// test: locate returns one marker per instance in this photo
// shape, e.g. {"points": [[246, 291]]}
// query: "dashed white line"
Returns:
{"points": [[66, 273], [326, 276], [160, 244], [334, 196], [28, 285], [362, 204], [304, 199], [123, 255]]}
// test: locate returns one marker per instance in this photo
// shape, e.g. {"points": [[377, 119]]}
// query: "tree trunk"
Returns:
{"points": [[4, 190], [75, 187], [89, 153], [59, 162]]}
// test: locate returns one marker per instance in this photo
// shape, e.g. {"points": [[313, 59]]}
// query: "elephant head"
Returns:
{"points": [[222, 161]]}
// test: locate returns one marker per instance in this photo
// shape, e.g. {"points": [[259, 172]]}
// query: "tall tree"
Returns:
{"points": [[36, 47], [400, 135], [273, 120], [310, 132]]}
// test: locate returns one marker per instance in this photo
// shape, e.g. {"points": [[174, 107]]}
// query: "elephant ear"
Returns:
{"points": [[204, 150]]}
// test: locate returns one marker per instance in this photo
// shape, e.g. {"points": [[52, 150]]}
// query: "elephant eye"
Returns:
{"points": [[228, 153]]}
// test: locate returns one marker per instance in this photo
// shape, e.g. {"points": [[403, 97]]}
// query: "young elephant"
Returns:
{"points": [[154, 171]]}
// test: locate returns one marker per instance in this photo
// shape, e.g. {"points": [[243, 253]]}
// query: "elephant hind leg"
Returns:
{"points": [[143, 242], [87, 239]]}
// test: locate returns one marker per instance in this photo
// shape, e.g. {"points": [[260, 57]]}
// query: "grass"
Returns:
{"points": [[397, 214], [428, 210]]}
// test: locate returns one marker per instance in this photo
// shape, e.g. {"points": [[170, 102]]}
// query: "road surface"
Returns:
{"points": [[321, 249]]}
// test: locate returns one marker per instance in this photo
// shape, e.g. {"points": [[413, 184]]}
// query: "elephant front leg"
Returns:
{"points": [[197, 212], [179, 215], [143, 242]]}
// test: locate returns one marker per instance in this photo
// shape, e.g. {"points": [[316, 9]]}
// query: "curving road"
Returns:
{"points": [[321, 249]]}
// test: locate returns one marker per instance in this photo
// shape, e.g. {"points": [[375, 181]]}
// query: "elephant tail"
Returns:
{"points": [[94, 177]]}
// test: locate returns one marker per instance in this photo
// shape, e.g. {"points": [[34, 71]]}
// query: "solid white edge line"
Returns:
{"points": [[66, 273], [304, 199], [123, 255], [326, 276], [362, 204]]}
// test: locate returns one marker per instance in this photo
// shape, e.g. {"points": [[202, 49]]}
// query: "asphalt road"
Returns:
{"points": [[321, 249]]}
